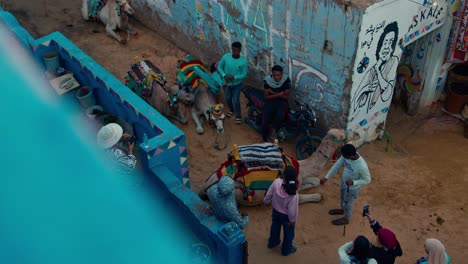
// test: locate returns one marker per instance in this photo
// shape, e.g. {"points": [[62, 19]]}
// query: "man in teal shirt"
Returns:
{"points": [[233, 70]]}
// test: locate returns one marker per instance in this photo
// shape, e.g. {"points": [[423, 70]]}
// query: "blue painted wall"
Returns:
{"points": [[314, 40], [163, 156]]}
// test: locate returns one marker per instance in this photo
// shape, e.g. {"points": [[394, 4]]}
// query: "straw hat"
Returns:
{"points": [[109, 135]]}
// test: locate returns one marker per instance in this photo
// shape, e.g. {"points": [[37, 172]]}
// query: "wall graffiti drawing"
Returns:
{"points": [[377, 84], [309, 78], [387, 27]]}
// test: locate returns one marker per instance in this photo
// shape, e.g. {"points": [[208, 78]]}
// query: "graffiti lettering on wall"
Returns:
{"points": [[377, 84], [308, 77], [427, 19], [370, 33], [425, 14]]}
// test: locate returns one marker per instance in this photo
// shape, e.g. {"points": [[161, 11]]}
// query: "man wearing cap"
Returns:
{"points": [[108, 137], [355, 174]]}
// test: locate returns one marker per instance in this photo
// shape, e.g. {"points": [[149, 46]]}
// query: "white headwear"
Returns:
{"points": [[109, 135]]}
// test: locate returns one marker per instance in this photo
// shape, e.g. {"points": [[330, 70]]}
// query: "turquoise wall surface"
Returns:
{"points": [[314, 40]]}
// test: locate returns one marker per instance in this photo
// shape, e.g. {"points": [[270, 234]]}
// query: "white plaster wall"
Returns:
{"points": [[374, 75]]}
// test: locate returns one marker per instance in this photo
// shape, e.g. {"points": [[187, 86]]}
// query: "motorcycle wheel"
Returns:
{"points": [[306, 146], [256, 116]]}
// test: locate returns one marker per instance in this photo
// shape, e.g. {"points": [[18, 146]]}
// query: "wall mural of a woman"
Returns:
{"points": [[378, 82]]}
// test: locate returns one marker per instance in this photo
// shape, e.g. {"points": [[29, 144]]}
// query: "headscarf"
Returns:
{"points": [[435, 252], [225, 186], [387, 238], [274, 84]]}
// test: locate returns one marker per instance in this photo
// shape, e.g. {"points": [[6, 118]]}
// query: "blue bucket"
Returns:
{"points": [[51, 61], [85, 97]]}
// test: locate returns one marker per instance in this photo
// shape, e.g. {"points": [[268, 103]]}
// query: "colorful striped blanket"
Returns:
{"points": [[256, 166], [261, 156], [192, 72], [94, 6], [140, 78], [186, 75]]}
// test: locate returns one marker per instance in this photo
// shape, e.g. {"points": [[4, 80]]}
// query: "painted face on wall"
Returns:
{"points": [[386, 50], [277, 76]]}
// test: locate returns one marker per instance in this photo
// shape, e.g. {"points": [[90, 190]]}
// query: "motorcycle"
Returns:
{"points": [[299, 121]]}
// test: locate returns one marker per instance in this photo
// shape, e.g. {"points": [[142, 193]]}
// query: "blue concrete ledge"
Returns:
{"points": [[163, 149]]}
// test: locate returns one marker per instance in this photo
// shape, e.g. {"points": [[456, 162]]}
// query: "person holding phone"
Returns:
{"points": [[387, 247], [356, 174]]}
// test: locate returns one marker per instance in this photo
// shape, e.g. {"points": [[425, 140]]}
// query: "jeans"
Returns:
{"points": [[351, 196], [277, 220], [273, 113], [233, 98]]}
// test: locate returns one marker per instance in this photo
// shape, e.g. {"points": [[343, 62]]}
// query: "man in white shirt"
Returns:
{"points": [[355, 174]]}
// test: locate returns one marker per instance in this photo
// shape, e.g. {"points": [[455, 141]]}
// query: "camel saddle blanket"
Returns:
{"points": [[256, 166], [94, 6], [261, 156], [140, 78], [186, 75]]}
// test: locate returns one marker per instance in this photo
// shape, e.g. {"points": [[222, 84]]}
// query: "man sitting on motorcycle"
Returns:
{"points": [[276, 90]]}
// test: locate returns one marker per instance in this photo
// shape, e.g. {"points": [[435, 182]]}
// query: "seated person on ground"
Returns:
{"points": [[118, 146], [223, 202], [276, 90]]}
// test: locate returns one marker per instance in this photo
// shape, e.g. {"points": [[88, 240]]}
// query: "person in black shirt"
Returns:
{"points": [[390, 247], [276, 90]]}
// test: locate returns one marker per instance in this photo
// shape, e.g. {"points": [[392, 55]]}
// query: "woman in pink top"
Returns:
{"points": [[283, 195]]}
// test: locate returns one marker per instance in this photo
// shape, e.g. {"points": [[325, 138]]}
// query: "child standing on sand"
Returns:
{"points": [[282, 194]]}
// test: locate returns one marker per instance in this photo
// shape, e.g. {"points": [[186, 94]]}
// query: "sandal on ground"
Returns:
{"points": [[336, 212], [229, 114], [293, 249], [238, 120], [341, 221]]}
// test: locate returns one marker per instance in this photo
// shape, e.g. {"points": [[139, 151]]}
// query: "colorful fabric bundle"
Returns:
{"points": [[140, 78], [186, 75], [255, 177], [94, 6], [261, 156]]}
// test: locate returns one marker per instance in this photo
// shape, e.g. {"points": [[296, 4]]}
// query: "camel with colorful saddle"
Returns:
{"points": [[254, 167], [194, 79], [148, 82]]}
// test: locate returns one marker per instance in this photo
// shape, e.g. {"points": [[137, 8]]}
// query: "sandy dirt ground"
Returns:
{"points": [[419, 183]]}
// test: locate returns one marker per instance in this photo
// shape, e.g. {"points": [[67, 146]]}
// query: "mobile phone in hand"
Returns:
{"points": [[365, 210]]}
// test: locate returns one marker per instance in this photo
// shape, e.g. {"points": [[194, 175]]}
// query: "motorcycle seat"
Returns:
{"points": [[254, 95]]}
